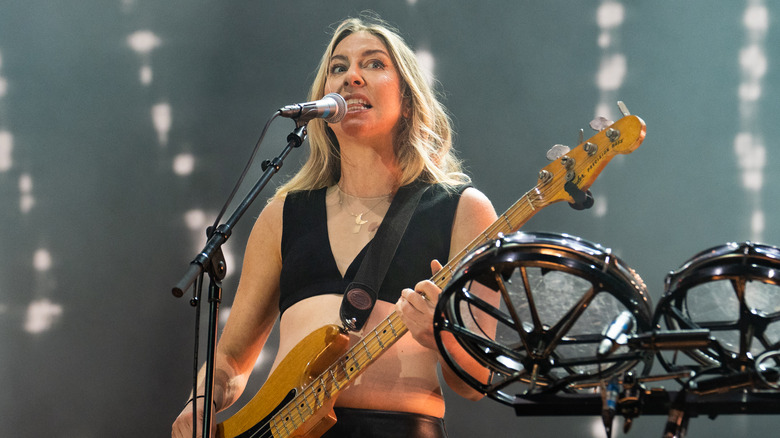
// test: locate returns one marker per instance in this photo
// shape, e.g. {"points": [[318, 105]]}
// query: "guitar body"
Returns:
{"points": [[307, 360]]}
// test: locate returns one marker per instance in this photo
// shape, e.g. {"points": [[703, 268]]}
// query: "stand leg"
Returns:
{"points": [[215, 298]]}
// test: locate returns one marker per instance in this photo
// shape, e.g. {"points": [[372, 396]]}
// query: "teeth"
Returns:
{"points": [[358, 102]]}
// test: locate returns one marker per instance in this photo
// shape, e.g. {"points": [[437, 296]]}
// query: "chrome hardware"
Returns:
{"points": [[557, 151], [545, 176]]}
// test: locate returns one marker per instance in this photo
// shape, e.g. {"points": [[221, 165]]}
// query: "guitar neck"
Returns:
{"points": [[512, 219]]}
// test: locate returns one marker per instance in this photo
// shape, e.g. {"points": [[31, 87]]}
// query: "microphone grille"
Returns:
{"points": [[341, 108]]}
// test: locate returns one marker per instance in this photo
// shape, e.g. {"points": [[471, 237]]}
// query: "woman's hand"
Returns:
{"points": [[416, 308], [182, 427]]}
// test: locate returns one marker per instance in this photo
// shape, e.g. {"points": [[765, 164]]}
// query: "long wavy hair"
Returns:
{"points": [[424, 141]]}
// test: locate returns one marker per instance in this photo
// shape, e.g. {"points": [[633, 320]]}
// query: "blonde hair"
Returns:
{"points": [[424, 141]]}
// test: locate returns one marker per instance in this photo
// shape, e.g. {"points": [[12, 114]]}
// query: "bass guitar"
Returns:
{"points": [[297, 399]]}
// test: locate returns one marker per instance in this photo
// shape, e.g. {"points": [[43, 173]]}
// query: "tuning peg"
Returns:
{"points": [[623, 108], [557, 151], [600, 123]]}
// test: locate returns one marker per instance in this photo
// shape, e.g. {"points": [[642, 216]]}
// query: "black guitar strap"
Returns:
{"points": [[362, 293]]}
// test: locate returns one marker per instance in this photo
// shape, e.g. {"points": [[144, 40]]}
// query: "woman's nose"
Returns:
{"points": [[353, 77]]}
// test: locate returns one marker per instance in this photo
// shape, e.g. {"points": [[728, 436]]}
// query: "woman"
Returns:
{"points": [[306, 244]]}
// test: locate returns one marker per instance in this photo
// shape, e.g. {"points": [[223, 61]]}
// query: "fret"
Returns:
{"points": [[365, 347], [275, 423], [284, 423], [392, 329], [335, 380], [344, 367], [378, 339], [308, 392], [315, 393], [510, 227], [324, 387], [528, 198], [300, 414], [357, 364]]}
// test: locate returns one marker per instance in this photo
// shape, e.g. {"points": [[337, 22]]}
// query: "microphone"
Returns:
{"points": [[332, 107], [622, 325], [689, 339], [609, 399]]}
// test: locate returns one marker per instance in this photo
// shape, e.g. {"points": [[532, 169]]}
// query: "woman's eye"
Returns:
{"points": [[337, 68], [376, 64]]}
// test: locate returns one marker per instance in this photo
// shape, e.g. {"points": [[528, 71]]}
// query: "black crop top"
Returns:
{"points": [[308, 266]]}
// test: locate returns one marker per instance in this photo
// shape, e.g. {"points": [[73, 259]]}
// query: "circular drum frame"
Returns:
{"points": [[534, 359], [739, 264]]}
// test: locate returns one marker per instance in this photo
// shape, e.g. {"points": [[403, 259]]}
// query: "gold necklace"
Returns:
{"points": [[359, 221]]}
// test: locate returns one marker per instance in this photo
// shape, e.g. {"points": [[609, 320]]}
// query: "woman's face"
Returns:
{"points": [[362, 71]]}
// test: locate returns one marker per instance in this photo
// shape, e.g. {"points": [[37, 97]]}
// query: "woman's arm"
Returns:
{"points": [[474, 214], [252, 316]]}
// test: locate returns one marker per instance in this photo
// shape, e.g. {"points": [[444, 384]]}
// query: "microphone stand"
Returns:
{"points": [[211, 260]]}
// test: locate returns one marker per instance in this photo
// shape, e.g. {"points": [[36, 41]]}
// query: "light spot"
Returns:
{"points": [[3, 86], [756, 18], [26, 203], [161, 116], [42, 260], [610, 15], [750, 151], [753, 61], [605, 40], [600, 206], [127, 5], [143, 41], [757, 222], [145, 75], [427, 63], [41, 315], [6, 149], [195, 219], [183, 164], [611, 72], [26, 198], [753, 180], [750, 91], [25, 183]]}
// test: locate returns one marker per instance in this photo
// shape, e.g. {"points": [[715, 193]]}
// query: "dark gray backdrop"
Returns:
{"points": [[97, 225]]}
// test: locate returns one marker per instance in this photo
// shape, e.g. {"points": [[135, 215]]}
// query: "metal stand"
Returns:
{"points": [[211, 261]]}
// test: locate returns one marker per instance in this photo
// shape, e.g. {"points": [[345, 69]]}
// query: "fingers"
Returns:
{"points": [[435, 267], [419, 301]]}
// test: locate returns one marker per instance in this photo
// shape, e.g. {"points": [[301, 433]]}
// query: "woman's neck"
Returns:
{"points": [[367, 171]]}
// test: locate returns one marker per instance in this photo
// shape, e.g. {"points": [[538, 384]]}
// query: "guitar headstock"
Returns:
{"points": [[570, 175]]}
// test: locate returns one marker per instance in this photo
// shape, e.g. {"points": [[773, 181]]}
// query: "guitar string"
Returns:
{"points": [[292, 412], [519, 209]]}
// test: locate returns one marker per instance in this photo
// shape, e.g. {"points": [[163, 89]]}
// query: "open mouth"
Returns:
{"points": [[357, 104]]}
